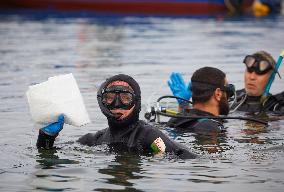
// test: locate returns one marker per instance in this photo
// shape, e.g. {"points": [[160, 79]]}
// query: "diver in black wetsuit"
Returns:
{"points": [[210, 93], [259, 67], [119, 99]]}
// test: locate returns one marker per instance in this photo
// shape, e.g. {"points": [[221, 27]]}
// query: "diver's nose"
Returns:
{"points": [[252, 75], [117, 102]]}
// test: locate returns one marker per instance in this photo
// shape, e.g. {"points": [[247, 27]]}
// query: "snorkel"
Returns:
{"points": [[272, 77]]}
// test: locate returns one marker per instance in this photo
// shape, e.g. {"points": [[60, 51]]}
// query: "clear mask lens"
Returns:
{"points": [[108, 98], [126, 98], [263, 65], [249, 61]]}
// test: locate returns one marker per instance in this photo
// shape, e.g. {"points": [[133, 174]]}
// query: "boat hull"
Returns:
{"points": [[145, 7]]}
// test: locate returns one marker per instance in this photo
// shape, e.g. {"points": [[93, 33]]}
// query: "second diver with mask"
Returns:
{"points": [[210, 93], [259, 68]]}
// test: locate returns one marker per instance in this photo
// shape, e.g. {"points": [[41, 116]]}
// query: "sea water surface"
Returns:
{"points": [[248, 157]]}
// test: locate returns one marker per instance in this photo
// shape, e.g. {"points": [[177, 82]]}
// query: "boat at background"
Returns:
{"points": [[132, 7]]}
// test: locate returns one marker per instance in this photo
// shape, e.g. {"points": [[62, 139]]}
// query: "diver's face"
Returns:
{"points": [[255, 84], [119, 112]]}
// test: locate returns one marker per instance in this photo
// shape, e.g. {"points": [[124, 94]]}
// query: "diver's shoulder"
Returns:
{"points": [[206, 124], [275, 103], [279, 96], [147, 128], [172, 122], [145, 125], [91, 139]]}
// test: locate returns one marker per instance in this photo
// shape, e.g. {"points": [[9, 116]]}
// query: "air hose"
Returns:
{"points": [[154, 111]]}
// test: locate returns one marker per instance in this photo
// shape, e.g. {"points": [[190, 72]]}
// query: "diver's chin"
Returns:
{"points": [[118, 116], [224, 107]]}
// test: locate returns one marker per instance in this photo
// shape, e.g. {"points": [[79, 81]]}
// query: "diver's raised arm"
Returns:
{"points": [[48, 134], [180, 89]]}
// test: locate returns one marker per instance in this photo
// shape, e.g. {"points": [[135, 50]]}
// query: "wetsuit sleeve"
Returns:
{"points": [[172, 122], [275, 104], [180, 123], [208, 126], [170, 146], [45, 141], [91, 139], [279, 106]]}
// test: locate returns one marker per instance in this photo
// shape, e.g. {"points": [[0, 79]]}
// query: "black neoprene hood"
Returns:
{"points": [[134, 116]]}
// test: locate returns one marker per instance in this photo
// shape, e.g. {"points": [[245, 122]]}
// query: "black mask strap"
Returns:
{"points": [[229, 89]]}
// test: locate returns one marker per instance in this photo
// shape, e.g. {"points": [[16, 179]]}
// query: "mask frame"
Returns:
{"points": [[230, 91], [257, 65], [118, 97]]}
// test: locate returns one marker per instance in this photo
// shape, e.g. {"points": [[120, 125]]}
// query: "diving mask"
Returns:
{"points": [[257, 65], [118, 97], [230, 91]]}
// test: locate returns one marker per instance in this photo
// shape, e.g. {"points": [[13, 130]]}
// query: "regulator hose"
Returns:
{"points": [[172, 113]]}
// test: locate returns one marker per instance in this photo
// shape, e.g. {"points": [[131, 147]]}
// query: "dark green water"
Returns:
{"points": [[149, 49]]}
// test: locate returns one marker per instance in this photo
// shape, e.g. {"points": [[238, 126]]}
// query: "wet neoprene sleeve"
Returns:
{"points": [[139, 138], [45, 141], [172, 146]]}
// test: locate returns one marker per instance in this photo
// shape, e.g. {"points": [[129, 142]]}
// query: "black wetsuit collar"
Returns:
{"points": [[198, 112], [253, 98], [116, 128]]}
